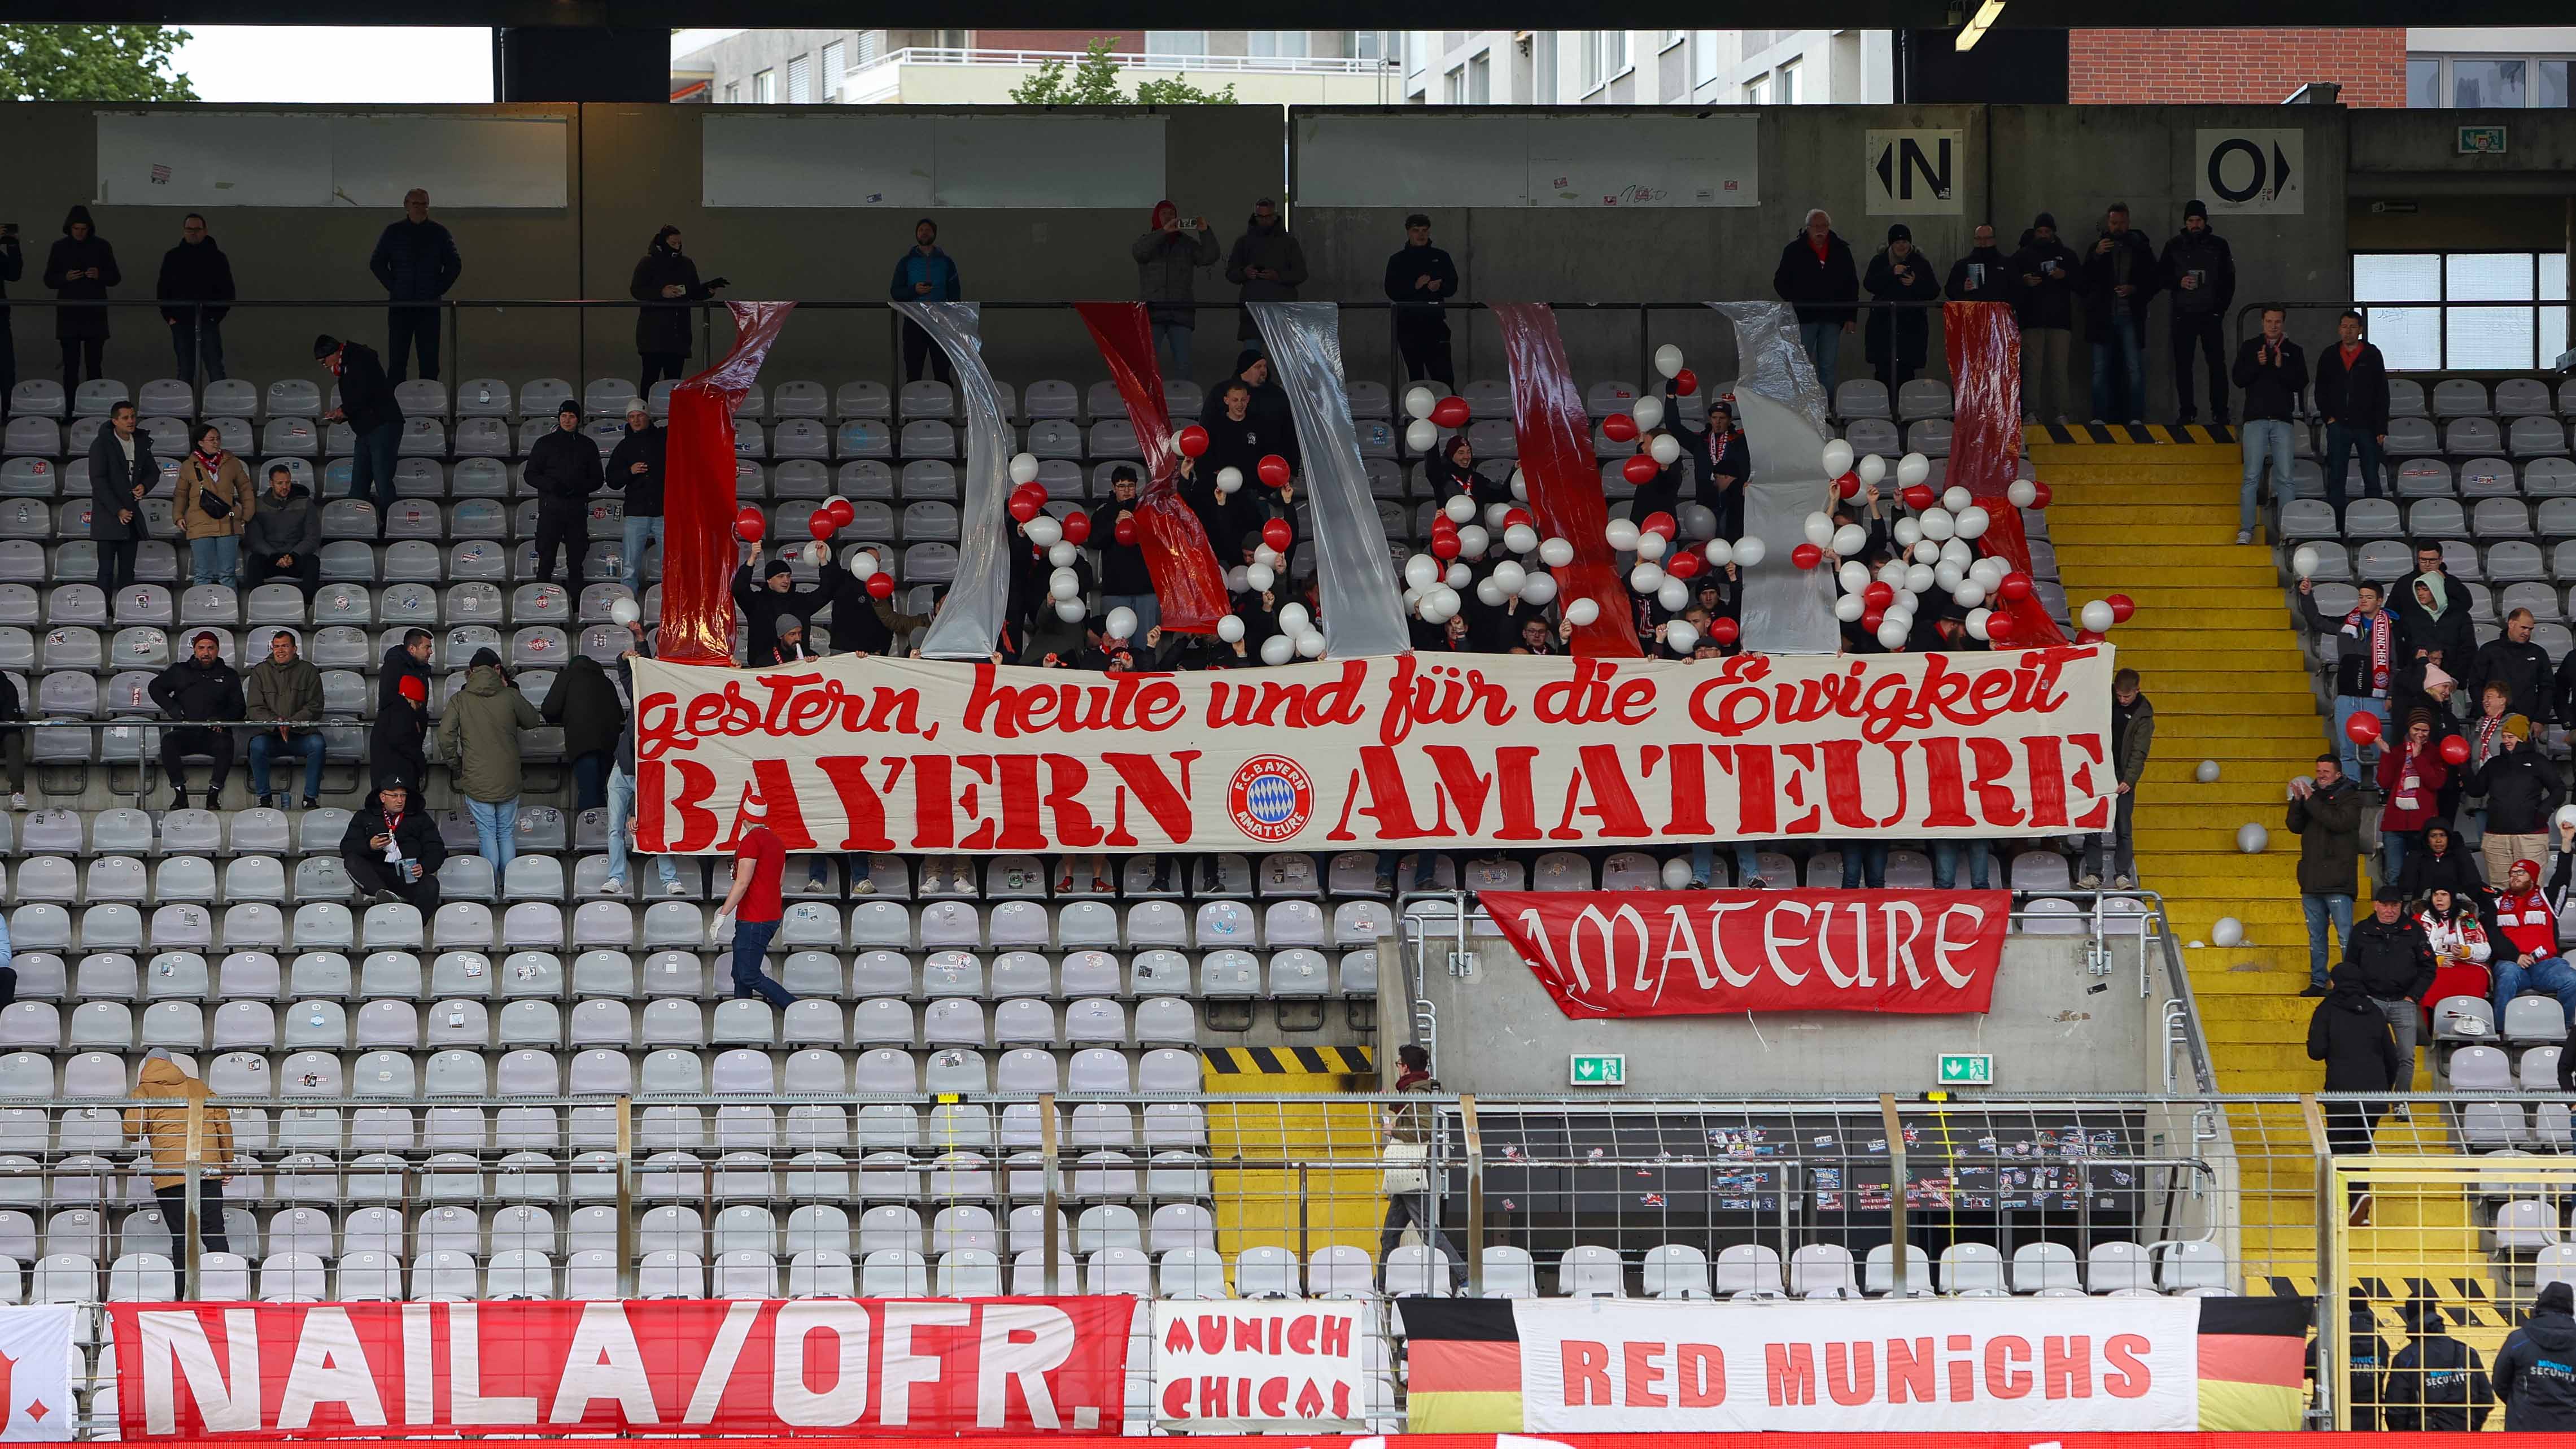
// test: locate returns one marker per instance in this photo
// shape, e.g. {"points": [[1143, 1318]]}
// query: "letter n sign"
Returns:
{"points": [[1914, 173]]}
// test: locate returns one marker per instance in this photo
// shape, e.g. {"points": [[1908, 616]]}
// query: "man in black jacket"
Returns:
{"points": [[2523, 792], [2200, 270], [2349, 1031], [2326, 812], [2352, 398], [1817, 277], [367, 405], [2435, 1383], [2365, 1353], [1125, 582], [2390, 959], [768, 598], [2512, 660], [2535, 1371], [1897, 337], [284, 538], [2274, 373], [563, 468], [199, 687], [416, 260], [403, 684], [392, 850], [2045, 302], [2432, 611], [196, 270], [635, 466], [1420, 277], [1984, 274], [2119, 281], [121, 471]]}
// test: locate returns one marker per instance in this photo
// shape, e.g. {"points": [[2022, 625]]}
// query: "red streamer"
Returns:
{"points": [[1555, 436], [1188, 583], [1985, 441], [698, 550]]}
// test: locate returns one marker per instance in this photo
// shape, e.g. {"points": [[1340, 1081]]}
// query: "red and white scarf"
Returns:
{"points": [[2382, 627]]}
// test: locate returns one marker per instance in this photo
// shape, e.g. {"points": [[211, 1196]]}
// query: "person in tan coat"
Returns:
{"points": [[164, 1130], [214, 504]]}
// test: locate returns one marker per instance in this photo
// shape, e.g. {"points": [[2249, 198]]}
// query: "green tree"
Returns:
{"points": [[91, 63], [1093, 81], [1179, 92]]}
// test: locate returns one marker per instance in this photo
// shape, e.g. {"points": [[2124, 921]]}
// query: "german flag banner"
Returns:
{"points": [[1890, 1367]]}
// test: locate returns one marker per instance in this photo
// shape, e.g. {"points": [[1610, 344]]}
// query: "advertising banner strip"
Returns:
{"points": [[1701, 953], [885, 754], [1253, 1366], [937, 1368]]}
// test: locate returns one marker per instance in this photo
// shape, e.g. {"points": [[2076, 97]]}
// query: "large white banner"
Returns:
{"points": [[35, 1373], [1931, 1366], [877, 754], [1256, 1367]]}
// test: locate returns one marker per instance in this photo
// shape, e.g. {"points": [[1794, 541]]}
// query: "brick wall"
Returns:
{"points": [[2258, 67]]}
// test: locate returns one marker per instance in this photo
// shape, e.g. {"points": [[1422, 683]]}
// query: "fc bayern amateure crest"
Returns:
{"points": [[1271, 798]]}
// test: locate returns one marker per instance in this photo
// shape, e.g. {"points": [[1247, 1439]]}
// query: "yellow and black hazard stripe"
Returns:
{"points": [[1288, 1061]]}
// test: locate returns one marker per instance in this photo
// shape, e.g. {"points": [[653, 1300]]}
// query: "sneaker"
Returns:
{"points": [[2137, 422], [178, 799], [863, 886], [1099, 887], [2088, 881], [311, 802], [18, 801], [2244, 537], [675, 889], [2123, 883], [1756, 883], [267, 802], [2097, 422], [815, 880], [2313, 988], [1064, 887], [2405, 1111], [612, 886], [2359, 1217]]}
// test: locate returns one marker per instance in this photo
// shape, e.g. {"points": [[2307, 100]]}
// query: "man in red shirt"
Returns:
{"points": [[2530, 960], [753, 905]]}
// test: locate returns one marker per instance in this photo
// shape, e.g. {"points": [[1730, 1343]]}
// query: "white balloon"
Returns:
{"points": [[1850, 539], [1918, 578], [863, 564], [1977, 622], [2226, 932], [2251, 838], [1955, 498], [1681, 636], [1645, 578], [1957, 554], [1024, 468], [1621, 535], [1265, 554], [624, 612], [1473, 540], [1938, 524], [1422, 571], [2021, 493], [1448, 601], [2207, 774], [2304, 561], [1278, 649], [1229, 628], [1495, 513], [1520, 538], [1070, 610], [1582, 612], [1849, 607], [1489, 593], [1911, 469], [1063, 555], [1648, 411], [1419, 401], [1947, 576], [1972, 521], [1293, 618], [1122, 622], [1987, 572], [1310, 645], [1926, 551], [1259, 576], [1664, 449], [1907, 533], [1749, 551], [1556, 553], [1228, 479], [1509, 576], [1650, 545], [1459, 508], [1674, 594], [1064, 584], [2566, 816], [1719, 553], [1455, 576], [1819, 528], [1872, 468], [1853, 576], [1520, 486], [1676, 872], [1698, 521], [1968, 595], [2096, 616], [1838, 458], [1421, 435], [1540, 591], [1668, 360], [1892, 633], [1044, 531], [1237, 579]]}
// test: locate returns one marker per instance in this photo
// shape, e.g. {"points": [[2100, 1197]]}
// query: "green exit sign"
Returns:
{"points": [[1966, 1069], [1600, 1069], [2481, 140]]}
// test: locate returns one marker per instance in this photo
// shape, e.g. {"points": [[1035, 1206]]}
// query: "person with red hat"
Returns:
{"points": [[2530, 960], [397, 747], [752, 908]]}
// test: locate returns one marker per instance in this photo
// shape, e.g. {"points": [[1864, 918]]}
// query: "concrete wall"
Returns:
{"points": [[2055, 1027]]}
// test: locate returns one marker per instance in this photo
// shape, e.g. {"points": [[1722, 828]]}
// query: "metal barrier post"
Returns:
{"points": [[1047, 1175], [189, 1213], [1898, 1241], [2330, 1228], [626, 1197], [1305, 1248], [1475, 1195]]}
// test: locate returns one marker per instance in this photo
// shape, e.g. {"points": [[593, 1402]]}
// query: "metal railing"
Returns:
{"points": [[1131, 60]]}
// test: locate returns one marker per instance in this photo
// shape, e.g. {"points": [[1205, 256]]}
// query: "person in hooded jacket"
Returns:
{"points": [[2199, 269], [1168, 257], [2350, 1033], [1266, 264], [666, 281], [564, 469], [196, 270], [1451, 470], [417, 261], [388, 836], [2435, 1384], [924, 273], [479, 738], [403, 685], [2441, 862], [2535, 1371], [2433, 615], [1272, 423], [1419, 278], [1719, 457], [2120, 279], [2326, 813], [162, 1129], [636, 467], [584, 701], [1984, 274], [1816, 277], [2045, 304], [765, 598], [1897, 337], [861, 622], [2365, 1355], [80, 269]]}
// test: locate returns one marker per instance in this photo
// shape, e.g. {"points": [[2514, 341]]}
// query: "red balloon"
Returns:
{"points": [[1848, 485], [2455, 750], [1684, 563], [2087, 636], [1879, 594], [1273, 470], [1660, 523], [1518, 516], [1443, 526], [1721, 630], [1451, 412], [2039, 495], [1278, 533], [1999, 626], [1125, 532], [1023, 507], [1077, 527], [2122, 606], [1806, 555], [748, 525], [1872, 620], [880, 586], [843, 512], [2015, 587], [1619, 428], [1919, 497], [1686, 382], [1192, 441], [821, 524], [2362, 729], [1444, 545], [1640, 469]]}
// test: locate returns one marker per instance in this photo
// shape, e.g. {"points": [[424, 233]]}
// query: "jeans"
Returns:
{"points": [[2550, 975], [116, 563], [2205, 331], [306, 575], [265, 745], [1424, 344], [1824, 344], [2404, 1016], [191, 340], [1149, 611], [638, 532], [2043, 371], [1945, 864], [1864, 864], [215, 560], [210, 1216], [2340, 445], [373, 875], [178, 742], [2346, 706], [2261, 439], [2116, 841], [2394, 843], [496, 831], [659, 365], [1422, 1211], [750, 943], [1425, 870], [405, 328], [919, 349], [1704, 861], [82, 356], [1172, 344], [590, 780], [371, 469], [2322, 911], [2120, 369], [621, 808], [563, 530]]}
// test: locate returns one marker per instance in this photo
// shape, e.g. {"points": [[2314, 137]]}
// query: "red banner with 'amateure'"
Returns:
{"points": [[1705, 953], [666, 1366]]}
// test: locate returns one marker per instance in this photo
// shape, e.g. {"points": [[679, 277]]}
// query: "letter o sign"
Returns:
{"points": [[2255, 166], [2251, 170]]}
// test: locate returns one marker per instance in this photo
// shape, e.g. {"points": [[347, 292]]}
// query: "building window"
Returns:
{"points": [[2551, 93], [1784, 86], [1454, 89], [1703, 57], [1276, 43], [1753, 90], [764, 88], [2423, 83], [871, 45], [835, 61], [1605, 57], [1368, 44], [1176, 42], [733, 93], [2499, 310], [1673, 38], [1480, 79], [800, 80], [2487, 81], [1417, 52]]}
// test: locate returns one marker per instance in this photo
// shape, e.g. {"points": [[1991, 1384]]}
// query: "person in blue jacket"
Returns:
{"points": [[923, 274], [417, 261]]}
